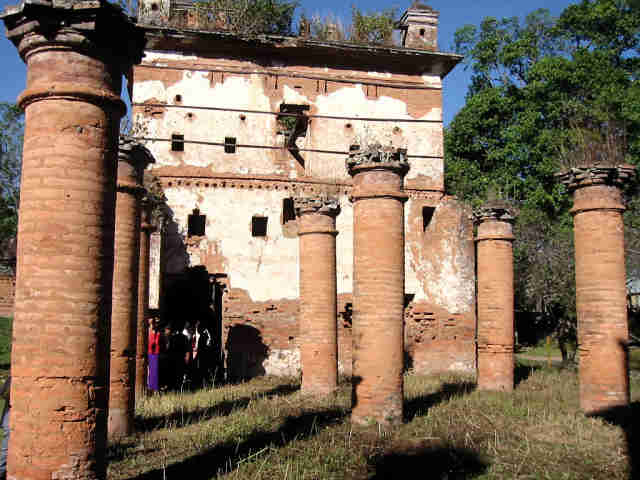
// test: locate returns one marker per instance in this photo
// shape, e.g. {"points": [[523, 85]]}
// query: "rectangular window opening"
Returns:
{"points": [[196, 224], [229, 144], [177, 143], [427, 216], [259, 226], [288, 211]]}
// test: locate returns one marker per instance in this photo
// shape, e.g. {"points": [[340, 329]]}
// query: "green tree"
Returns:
{"points": [[11, 136], [535, 84]]}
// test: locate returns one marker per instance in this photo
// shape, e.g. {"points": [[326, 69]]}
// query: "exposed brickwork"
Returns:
{"points": [[420, 28], [378, 290], [146, 227], [7, 293], [132, 160], [600, 284], [59, 389], [495, 297], [318, 296]]}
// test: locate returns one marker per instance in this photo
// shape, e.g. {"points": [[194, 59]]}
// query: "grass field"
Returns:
{"points": [[267, 429]]}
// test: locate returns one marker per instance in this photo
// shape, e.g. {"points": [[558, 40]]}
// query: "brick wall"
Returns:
{"points": [[7, 293]]}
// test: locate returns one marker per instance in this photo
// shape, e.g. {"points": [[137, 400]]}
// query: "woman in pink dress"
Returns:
{"points": [[155, 340]]}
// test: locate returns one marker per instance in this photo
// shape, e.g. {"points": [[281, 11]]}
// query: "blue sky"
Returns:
{"points": [[453, 15]]}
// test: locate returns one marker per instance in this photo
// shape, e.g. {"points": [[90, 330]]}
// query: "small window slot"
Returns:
{"points": [[196, 224], [288, 211], [177, 143], [427, 216], [259, 226], [229, 144]]}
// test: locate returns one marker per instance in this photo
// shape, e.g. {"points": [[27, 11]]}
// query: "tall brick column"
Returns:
{"points": [[378, 283], [495, 297], [146, 228], [132, 160], [60, 355], [601, 299], [318, 294]]}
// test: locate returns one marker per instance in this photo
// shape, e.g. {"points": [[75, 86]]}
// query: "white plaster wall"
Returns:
{"points": [[445, 278], [266, 267], [251, 92]]}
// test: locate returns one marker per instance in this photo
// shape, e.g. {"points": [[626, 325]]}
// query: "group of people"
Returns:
{"points": [[179, 359]]}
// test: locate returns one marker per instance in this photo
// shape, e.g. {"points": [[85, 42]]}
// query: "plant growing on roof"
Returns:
{"points": [[373, 28], [247, 17]]}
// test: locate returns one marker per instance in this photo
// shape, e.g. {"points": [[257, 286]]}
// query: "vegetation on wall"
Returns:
{"points": [[547, 93]]}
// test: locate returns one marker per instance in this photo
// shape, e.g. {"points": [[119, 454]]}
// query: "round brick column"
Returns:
{"points": [[60, 356], [601, 295], [495, 297], [318, 295], [378, 284], [132, 160], [146, 228]]}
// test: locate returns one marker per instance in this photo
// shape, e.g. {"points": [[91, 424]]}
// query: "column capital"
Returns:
{"points": [[498, 211], [83, 24], [495, 221], [598, 187], [324, 205], [619, 176], [377, 157], [133, 158], [94, 28], [378, 172]]}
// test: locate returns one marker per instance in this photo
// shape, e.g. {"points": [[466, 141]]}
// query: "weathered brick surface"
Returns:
{"points": [[146, 227], [495, 298], [600, 285], [318, 294], [7, 293], [131, 163], [378, 293], [60, 353]]}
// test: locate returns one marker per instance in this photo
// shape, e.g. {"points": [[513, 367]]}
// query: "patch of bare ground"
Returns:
{"points": [[266, 429]]}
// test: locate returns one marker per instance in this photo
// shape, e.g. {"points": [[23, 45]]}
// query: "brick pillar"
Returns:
{"points": [[601, 299], [132, 160], [495, 297], [378, 283], [146, 228], [318, 295], [60, 355]]}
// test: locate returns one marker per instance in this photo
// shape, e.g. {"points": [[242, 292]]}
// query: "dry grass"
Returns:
{"points": [[267, 429]]}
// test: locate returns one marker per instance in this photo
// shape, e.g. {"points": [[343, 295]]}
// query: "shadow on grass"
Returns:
{"points": [[523, 370], [420, 405], [624, 417], [437, 462], [178, 418], [226, 457]]}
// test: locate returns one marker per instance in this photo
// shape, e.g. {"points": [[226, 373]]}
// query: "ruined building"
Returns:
{"points": [[240, 126]]}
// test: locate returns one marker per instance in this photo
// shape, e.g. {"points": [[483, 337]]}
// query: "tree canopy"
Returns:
{"points": [[11, 134], [543, 90]]}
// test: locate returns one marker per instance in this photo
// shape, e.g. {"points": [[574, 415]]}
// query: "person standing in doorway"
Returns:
{"points": [[155, 340]]}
